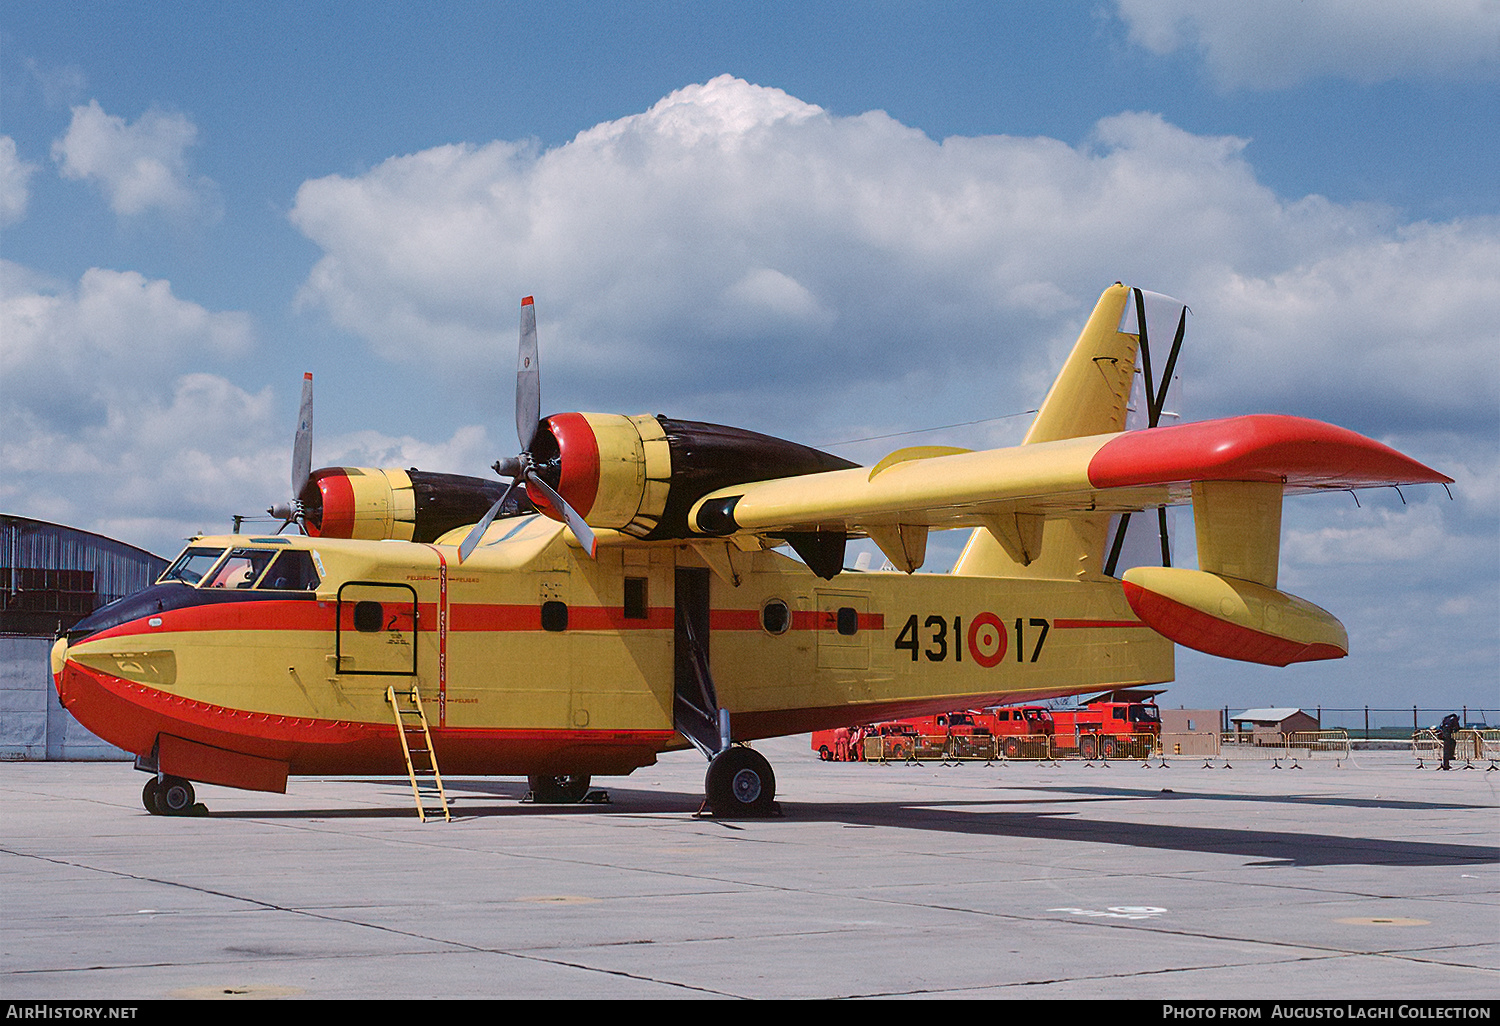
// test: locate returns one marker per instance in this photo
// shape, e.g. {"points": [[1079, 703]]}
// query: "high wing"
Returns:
{"points": [[1010, 492]]}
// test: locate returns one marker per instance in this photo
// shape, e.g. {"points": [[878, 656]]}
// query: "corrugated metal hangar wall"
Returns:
{"points": [[50, 578]]}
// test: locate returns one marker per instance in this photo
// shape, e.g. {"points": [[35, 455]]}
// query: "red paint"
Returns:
{"points": [[1262, 447], [337, 520], [132, 716], [579, 483], [1083, 625], [1002, 640], [1198, 630]]}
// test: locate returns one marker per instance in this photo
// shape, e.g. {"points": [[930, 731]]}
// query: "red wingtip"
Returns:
{"points": [[527, 301]]}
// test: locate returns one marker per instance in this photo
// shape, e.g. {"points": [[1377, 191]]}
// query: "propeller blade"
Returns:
{"points": [[528, 379], [471, 540], [581, 529], [302, 443]]}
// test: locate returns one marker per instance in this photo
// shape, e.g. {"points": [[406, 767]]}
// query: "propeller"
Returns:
{"points": [[522, 467], [291, 512]]}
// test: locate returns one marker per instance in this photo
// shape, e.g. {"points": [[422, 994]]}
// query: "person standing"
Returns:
{"points": [[1447, 732]]}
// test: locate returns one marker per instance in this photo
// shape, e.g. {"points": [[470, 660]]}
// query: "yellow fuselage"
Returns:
{"points": [[530, 657]]}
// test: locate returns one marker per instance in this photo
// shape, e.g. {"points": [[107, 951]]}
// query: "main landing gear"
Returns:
{"points": [[740, 785], [170, 796]]}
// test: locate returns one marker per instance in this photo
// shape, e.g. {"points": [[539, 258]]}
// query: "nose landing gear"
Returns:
{"points": [[170, 796]]}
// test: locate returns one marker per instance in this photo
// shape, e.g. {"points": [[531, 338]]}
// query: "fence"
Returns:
{"points": [[1262, 745], [1469, 746]]}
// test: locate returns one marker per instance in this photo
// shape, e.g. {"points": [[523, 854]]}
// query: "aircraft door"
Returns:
{"points": [[843, 634], [695, 705], [377, 629]]}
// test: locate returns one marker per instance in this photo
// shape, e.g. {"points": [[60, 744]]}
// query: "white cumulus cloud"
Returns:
{"points": [[140, 166], [1275, 44], [15, 179]]}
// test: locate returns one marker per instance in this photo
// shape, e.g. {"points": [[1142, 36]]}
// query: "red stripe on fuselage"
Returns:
{"points": [[467, 617], [1065, 625]]}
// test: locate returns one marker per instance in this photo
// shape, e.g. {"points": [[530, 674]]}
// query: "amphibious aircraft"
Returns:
{"points": [[623, 595]]}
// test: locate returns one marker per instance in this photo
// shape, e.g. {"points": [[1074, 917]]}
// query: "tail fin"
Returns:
{"points": [[1091, 396]]}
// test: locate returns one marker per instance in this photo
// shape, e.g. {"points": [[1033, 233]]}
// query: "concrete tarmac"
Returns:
{"points": [[1367, 879]]}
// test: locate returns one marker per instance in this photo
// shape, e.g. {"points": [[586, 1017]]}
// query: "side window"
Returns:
{"points": [[848, 621], [636, 604], [241, 568], [369, 617], [775, 617], [554, 616], [192, 565], [292, 571]]}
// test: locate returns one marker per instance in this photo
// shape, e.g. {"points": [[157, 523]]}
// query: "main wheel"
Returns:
{"points": [[1107, 747], [740, 784], [1087, 748], [150, 795], [564, 789]]}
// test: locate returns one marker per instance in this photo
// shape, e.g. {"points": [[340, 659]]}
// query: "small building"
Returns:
{"points": [[1270, 722], [51, 577], [1190, 721]]}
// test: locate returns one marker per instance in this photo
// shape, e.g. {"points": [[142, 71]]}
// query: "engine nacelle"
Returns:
{"points": [[640, 475], [405, 505]]}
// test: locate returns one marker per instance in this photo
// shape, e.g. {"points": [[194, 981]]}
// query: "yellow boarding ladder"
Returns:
{"points": [[416, 740]]}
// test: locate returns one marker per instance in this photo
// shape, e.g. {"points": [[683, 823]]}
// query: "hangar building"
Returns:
{"points": [[50, 578]]}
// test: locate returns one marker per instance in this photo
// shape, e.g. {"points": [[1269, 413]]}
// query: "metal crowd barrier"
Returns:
{"points": [[1318, 744], [1469, 745], [1487, 746], [1025, 747]]}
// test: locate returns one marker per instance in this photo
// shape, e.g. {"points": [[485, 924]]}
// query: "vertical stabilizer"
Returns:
{"points": [[1091, 396]]}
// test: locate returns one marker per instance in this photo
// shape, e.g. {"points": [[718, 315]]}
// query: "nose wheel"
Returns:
{"points": [[168, 796], [740, 785]]}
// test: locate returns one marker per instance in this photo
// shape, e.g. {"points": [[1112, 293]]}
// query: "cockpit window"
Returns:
{"points": [[190, 567], [240, 569], [292, 571], [1144, 714]]}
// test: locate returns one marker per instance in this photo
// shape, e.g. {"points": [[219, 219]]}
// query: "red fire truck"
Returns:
{"points": [[1019, 728], [899, 739], [1119, 723]]}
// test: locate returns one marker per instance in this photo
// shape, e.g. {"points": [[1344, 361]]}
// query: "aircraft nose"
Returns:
{"points": [[59, 657]]}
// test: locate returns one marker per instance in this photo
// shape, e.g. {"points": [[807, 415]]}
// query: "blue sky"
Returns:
{"points": [[822, 220]]}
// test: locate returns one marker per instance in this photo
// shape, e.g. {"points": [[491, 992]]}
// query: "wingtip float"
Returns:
{"points": [[621, 595]]}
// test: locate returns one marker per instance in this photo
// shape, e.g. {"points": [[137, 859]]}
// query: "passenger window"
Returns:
{"points": [[636, 607], [554, 616], [775, 618], [369, 617], [848, 621]]}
